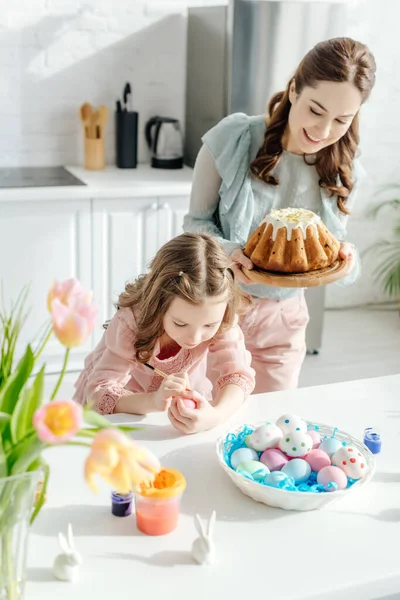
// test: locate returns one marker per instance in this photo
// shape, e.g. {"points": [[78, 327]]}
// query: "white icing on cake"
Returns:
{"points": [[291, 218]]}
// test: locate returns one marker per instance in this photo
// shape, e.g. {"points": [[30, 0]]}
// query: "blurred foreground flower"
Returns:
{"points": [[58, 422], [122, 464]]}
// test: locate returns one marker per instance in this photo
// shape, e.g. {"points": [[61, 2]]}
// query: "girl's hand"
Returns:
{"points": [[346, 252], [241, 260], [192, 420], [173, 385]]}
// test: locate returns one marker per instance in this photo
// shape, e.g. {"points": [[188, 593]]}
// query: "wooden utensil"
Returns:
{"points": [[161, 373], [85, 113], [103, 116]]}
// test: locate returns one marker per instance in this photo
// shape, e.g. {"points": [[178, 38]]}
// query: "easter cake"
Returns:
{"points": [[292, 240]]}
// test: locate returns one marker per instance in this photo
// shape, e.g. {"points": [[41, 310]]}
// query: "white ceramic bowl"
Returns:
{"points": [[296, 500]]}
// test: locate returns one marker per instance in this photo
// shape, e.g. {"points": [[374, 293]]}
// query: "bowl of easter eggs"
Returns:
{"points": [[295, 464]]}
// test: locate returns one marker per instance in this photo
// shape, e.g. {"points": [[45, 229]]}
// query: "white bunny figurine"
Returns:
{"points": [[66, 565], [203, 548]]}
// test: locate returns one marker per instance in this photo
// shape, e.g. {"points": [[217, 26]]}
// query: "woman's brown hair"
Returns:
{"points": [[339, 60], [190, 266]]}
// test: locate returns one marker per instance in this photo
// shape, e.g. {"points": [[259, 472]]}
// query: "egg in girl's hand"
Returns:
{"points": [[330, 445], [298, 469], [291, 423], [189, 403], [296, 443], [242, 455], [274, 459], [351, 461], [334, 475], [265, 436], [316, 438], [254, 468]]}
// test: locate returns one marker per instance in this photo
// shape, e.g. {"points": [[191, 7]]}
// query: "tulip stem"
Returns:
{"points": [[64, 368]]}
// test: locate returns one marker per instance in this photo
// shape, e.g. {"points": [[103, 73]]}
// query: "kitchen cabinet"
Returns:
{"points": [[105, 233], [41, 241]]}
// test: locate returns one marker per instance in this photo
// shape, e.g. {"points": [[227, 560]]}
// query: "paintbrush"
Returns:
{"points": [[161, 373]]}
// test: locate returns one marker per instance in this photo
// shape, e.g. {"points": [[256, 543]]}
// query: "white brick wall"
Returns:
{"points": [[56, 54]]}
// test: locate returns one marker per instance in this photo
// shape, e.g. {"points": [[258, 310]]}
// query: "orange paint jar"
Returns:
{"points": [[158, 505]]}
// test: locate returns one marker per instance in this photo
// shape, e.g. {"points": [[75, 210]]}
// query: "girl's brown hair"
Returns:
{"points": [[190, 266], [340, 60]]}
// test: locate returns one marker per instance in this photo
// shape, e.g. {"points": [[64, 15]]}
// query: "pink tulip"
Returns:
{"points": [[65, 290], [58, 422], [73, 312], [122, 464]]}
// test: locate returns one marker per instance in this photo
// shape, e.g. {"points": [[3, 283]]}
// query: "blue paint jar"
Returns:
{"points": [[121, 504], [372, 439]]}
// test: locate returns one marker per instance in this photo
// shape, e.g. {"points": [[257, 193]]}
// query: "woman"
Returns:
{"points": [[301, 155]]}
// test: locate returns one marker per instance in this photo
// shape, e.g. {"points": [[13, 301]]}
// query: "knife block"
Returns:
{"points": [[94, 154], [126, 139]]}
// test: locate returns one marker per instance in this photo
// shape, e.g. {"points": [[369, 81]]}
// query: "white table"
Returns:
{"points": [[350, 548]]}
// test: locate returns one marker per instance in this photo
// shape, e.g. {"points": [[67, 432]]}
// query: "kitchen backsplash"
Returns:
{"points": [[56, 54]]}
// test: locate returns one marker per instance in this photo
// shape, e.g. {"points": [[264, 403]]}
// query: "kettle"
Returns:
{"points": [[164, 138]]}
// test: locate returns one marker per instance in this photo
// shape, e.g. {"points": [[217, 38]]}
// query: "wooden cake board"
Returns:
{"points": [[336, 271]]}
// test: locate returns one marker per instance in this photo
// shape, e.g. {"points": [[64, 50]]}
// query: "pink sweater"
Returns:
{"points": [[112, 370]]}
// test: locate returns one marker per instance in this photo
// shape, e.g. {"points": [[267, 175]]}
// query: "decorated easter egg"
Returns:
{"points": [[189, 403], [254, 468], [351, 461], [317, 459], [332, 474], [276, 478], [316, 438], [296, 443], [242, 455], [298, 469], [266, 436], [274, 459], [330, 445], [291, 422]]}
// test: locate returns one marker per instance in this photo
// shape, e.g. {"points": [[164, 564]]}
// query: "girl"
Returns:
{"points": [[301, 155], [177, 318]]}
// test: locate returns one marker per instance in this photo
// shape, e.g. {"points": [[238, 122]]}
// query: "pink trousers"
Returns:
{"points": [[274, 332]]}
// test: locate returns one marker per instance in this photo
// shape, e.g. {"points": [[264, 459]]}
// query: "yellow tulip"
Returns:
{"points": [[120, 462]]}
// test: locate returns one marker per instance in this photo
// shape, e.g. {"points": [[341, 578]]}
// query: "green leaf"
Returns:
{"points": [[93, 418], [10, 393], [28, 402], [3, 461], [45, 467], [24, 454], [4, 419]]}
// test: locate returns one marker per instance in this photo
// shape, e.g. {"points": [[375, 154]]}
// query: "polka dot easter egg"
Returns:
{"points": [[265, 436], [351, 461], [296, 443], [291, 423]]}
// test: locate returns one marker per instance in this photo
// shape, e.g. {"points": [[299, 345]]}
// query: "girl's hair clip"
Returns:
{"points": [[180, 273]]}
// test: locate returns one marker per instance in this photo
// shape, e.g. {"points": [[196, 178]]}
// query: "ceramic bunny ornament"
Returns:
{"points": [[203, 549], [66, 565]]}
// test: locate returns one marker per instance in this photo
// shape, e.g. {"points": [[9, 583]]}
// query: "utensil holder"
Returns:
{"points": [[126, 139], [94, 154]]}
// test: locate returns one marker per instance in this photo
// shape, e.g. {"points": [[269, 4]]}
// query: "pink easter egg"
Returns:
{"points": [[317, 459], [189, 403], [316, 438], [274, 459], [334, 474]]}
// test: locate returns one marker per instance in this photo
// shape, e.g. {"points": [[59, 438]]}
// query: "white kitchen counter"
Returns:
{"points": [[112, 182], [348, 551]]}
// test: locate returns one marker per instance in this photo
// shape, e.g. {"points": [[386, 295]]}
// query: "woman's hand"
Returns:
{"points": [[192, 420], [346, 252], [173, 385], [241, 260]]}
